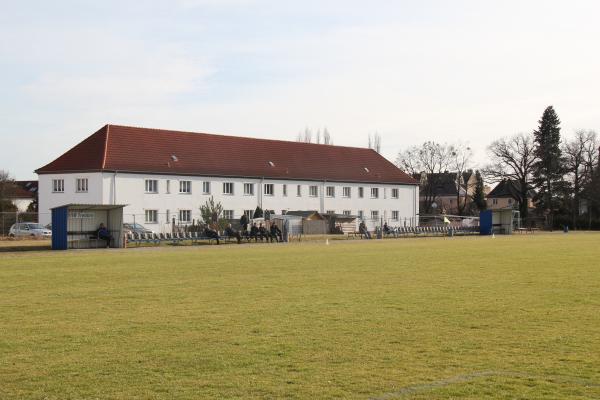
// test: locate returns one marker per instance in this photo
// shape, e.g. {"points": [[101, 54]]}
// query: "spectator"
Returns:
{"points": [[103, 234], [362, 228], [264, 233], [254, 232], [211, 233], [244, 222], [386, 229], [229, 231], [276, 233]]}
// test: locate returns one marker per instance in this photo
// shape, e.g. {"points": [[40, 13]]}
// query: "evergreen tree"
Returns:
{"points": [[479, 194], [548, 168]]}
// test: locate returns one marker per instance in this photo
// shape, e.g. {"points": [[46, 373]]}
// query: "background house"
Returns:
{"points": [[446, 190], [506, 195]]}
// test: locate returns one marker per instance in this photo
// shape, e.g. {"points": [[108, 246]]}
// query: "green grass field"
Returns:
{"points": [[511, 317]]}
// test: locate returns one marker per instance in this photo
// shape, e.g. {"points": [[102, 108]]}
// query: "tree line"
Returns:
{"points": [[561, 175]]}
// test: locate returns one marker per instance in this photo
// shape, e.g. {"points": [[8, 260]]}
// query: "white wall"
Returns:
{"points": [[129, 189], [48, 200]]}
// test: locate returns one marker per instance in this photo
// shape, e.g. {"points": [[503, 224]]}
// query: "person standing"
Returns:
{"points": [[244, 222]]}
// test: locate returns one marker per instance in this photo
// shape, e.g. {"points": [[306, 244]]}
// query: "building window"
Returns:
{"points": [[510, 201], [249, 213], [205, 187], [361, 192], [346, 191], [151, 186], [361, 214], [249, 189], [185, 215], [374, 214], [285, 190], [228, 214], [82, 185], [395, 215], [58, 185], [313, 191], [151, 216], [374, 193], [330, 211], [269, 189], [299, 190], [347, 212], [330, 191], [185, 186], [228, 188], [168, 186], [495, 202], [395, 193]]}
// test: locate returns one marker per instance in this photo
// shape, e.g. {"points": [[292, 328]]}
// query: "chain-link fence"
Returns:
{"points": [[10, 220]]}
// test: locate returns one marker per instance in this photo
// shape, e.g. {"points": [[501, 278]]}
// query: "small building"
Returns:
{"points": [[503, 221], [74, 226]]}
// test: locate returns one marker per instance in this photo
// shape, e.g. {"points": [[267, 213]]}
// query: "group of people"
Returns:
{"points": [[273, 233], [260, 232]]}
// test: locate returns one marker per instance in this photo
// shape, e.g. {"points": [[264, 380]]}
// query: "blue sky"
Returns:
{"points": [[467, 71]]}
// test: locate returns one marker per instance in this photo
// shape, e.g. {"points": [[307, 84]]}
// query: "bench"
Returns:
{"points": [[76, 238]]}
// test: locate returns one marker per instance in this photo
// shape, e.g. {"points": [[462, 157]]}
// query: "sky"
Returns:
{"points": [[462, 71]]}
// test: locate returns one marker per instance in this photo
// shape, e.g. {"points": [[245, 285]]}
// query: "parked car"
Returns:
{"points": [[29, 229], [135, 228]]}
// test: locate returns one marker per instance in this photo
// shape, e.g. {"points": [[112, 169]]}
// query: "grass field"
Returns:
{"points": [[511, 317]]}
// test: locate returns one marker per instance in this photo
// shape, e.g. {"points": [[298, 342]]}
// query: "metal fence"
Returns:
{"points": [[8, 219]]}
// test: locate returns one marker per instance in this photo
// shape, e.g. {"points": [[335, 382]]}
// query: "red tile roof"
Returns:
{"points": [[143, 150]]}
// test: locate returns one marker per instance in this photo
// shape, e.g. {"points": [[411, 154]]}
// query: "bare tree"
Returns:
{"points": [[307, 135], [375, 142], [431, 159], [327, 137], [512, 159], [581, 157], [461, 156]]}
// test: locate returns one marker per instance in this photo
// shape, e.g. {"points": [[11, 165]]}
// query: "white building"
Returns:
{"points": [[164, 175]]}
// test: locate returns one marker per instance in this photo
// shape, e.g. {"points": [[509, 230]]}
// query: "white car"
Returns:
{"points": [[31, 229]]}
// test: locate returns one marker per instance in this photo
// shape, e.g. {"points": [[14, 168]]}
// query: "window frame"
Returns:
{"points": [[183, 184], [310, 190], [248, 192], [298, 190], [271, 191], [374, 215], [395, 215], [330, 191], [347, 192], [205, 185], [227, 185], [58, 185], [361, 192], [189, 215], [374, 192], [152, 212], [228, 214], [395, 193], [148, 184], [79, 186]]}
